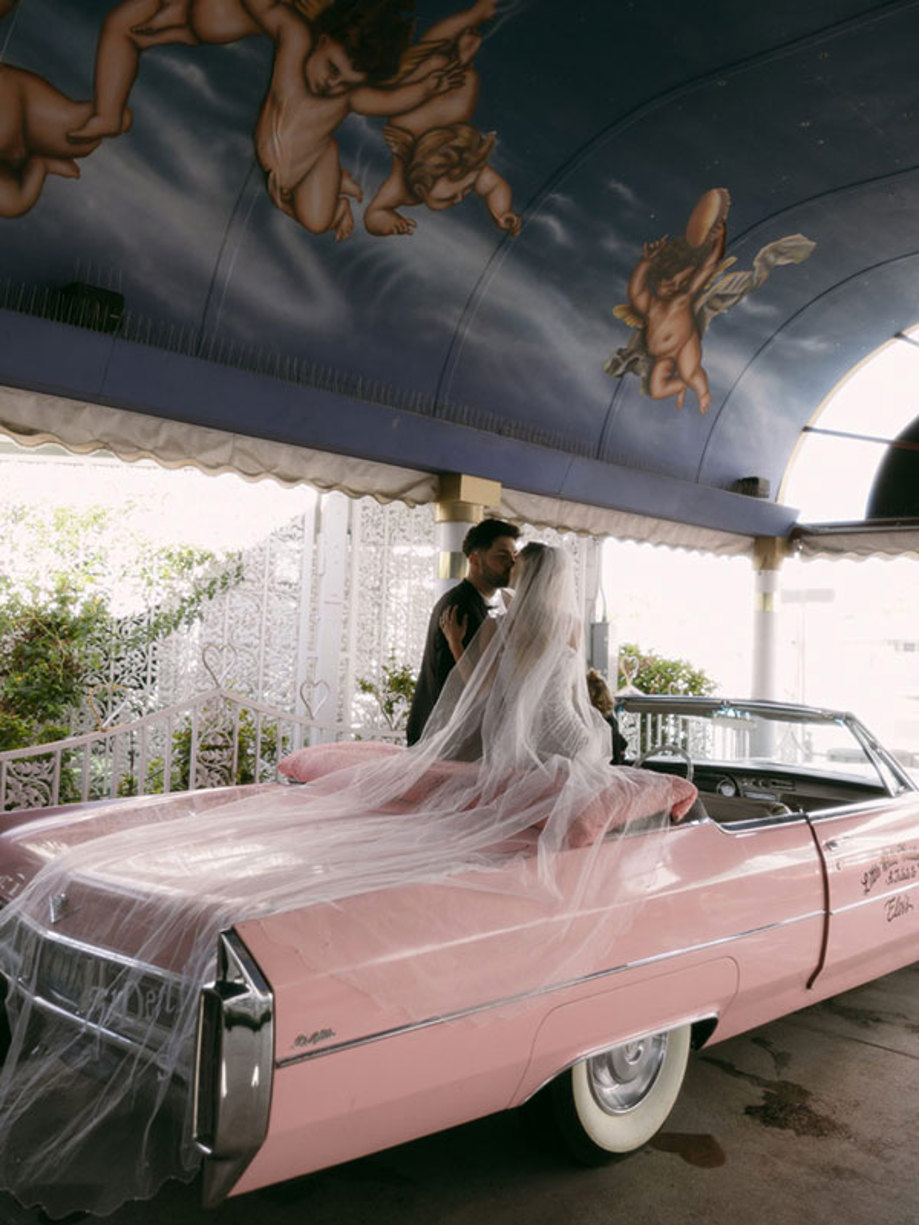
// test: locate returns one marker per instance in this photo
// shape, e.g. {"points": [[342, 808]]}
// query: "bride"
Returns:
{"points": [[508, 791], [533, 679]]}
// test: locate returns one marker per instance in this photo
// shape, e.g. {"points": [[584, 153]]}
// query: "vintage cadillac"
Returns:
{"points": [[332, 1030]]}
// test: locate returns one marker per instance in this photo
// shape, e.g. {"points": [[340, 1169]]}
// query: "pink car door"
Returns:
{"points": [[872, 878]]}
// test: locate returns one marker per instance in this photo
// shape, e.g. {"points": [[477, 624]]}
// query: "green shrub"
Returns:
{"points": [[653, 673], [48, 649], [393, 693]]}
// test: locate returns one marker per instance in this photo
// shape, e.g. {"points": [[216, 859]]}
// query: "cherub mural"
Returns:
{"points": [[34, 121], [677, 288], [332, 58], [329, 56], [323, 71], [439, 158]]}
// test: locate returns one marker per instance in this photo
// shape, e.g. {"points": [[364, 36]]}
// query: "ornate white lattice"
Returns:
{"points": [[246, 639], [363, 571], [215, 739], [326, 600], [392, 589]]}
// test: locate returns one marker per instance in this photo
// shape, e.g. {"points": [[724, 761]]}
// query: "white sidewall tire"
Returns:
{"points": [[625, 1132]]}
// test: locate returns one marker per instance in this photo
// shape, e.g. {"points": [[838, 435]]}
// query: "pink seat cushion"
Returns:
{"points": [[600, 816], [305, 765]]}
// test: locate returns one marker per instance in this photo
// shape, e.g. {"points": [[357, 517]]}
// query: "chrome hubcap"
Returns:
{"points": [[621, 1078]]}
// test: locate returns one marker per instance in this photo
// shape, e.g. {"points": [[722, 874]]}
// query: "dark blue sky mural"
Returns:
{"points": [[560, 144]]}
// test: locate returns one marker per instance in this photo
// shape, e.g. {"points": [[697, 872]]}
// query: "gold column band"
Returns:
{"points": [[458, 512], [769, 552], [460, 487], [462, 498]]}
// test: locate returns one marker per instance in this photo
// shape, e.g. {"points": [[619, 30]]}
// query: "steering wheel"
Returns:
{"points": [[667, 750]]}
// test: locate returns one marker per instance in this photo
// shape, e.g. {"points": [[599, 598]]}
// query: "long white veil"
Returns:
{"points": [[508, 795]]}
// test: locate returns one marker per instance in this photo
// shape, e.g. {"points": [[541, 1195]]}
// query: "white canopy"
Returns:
{"points": [[857, 541]]}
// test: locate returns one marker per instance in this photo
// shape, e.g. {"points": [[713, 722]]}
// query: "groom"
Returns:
{"points": [[490, 549]]}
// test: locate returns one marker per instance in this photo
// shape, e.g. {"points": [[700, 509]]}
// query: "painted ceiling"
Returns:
{"points": [[666, 233]]}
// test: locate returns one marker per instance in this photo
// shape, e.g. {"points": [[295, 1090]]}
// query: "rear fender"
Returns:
{"points": [[634, 1009]]}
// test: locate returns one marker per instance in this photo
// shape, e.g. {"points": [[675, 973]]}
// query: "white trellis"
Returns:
{"points": [[323, 601]]}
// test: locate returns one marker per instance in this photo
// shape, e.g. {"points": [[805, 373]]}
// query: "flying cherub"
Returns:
{"points": [[343, 62], [662, 288], [35, 118], [677, 287], [439, 158]]}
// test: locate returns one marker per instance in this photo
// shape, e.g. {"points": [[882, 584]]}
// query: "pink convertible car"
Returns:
{"points": [[794, 876]]}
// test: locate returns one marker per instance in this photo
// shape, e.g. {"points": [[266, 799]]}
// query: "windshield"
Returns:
{"points": [[736, 736]]}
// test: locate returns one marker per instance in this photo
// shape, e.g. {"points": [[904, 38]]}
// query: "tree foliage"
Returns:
{"points": [[76, 581], [47, 646], [393, 692], [646, 670], [235, 745], [653, 673]]}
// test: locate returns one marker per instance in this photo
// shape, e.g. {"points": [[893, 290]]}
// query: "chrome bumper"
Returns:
{"points": [[233, 1068]]}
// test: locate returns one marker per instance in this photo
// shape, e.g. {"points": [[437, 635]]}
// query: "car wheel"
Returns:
{"points": [[613, 1103]]}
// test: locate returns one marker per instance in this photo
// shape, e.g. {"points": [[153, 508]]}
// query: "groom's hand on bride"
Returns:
{"points": [[453, 627]]}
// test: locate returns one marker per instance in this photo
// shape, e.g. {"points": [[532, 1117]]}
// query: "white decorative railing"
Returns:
{"points": [[217, 738]]}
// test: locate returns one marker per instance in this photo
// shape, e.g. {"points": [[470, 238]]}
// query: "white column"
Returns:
{"points": [[601, 639], [305, 661], [333, 570], [462, 501], [768, 555]]}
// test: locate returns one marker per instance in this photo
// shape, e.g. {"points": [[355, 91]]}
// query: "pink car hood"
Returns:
{"points": [[98, 903], [32, 838]]}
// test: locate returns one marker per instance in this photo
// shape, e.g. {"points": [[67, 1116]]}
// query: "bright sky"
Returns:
{"points": [[182, 506], [830, 478]]}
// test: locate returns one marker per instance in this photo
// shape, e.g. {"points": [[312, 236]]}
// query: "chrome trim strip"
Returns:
{"points": [[233, 1067], [750, 825], [96, 951], [55, 1010], [690, 703], [797, 816], [839, 812], [352, 1043]]}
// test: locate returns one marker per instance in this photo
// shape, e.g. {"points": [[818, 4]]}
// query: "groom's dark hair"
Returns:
{"points": [[484, 534]]}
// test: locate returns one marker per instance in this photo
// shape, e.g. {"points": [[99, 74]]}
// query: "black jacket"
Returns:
{"points": [[437, 660]]}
